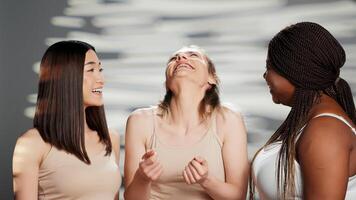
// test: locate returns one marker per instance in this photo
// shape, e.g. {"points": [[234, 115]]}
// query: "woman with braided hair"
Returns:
{"points": [[312, 155]]}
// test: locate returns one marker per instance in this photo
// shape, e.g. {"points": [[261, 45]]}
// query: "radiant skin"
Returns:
{"points": [[31, 150], [326, 150], [188, 78]]}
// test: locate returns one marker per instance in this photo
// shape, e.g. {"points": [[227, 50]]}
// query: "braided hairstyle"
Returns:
{"points": [[310, 58]]}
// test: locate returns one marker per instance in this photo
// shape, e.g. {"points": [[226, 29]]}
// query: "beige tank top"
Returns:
{"points": [[171, 184], [63, 176]]}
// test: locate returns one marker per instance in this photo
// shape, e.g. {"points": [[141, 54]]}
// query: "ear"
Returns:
{"points": [[212, 80]]}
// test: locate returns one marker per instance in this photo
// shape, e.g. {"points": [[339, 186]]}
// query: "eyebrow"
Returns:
{"points": [[189, 52], [91, 63]]}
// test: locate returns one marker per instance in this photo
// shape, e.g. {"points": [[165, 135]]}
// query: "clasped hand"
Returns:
{"points": [[196, 171]]}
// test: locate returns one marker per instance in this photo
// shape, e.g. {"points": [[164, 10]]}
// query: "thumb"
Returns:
{"points": [[148, 154], [201, 160]]}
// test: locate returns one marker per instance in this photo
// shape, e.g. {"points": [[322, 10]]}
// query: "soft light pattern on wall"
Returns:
{"points": [[134, 39]]}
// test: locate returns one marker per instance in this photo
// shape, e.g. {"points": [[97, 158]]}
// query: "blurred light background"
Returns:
{"points": [[134, 39]]}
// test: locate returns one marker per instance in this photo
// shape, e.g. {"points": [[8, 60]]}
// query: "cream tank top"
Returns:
{"points": [[63, 176], [171, 184], [265, 168]]}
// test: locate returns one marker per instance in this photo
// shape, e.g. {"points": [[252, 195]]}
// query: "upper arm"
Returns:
{"points": [[323, 153], [234, 148], [115, 142], [27, 157], [138, 127]]}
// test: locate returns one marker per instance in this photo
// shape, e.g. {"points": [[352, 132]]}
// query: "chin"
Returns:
{"points": [[93, 104], [276, 101]]}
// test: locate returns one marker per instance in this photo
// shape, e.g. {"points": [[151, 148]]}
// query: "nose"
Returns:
{"points": [[100, 78], [264, 75], [181, 56]]}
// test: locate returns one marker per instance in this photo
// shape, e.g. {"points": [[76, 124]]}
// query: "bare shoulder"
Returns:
{"points": [[142, 115], [32, 139], [30, 149], [230, 124], [140, 124], [226, 116], [324, 135], [326, 129]]}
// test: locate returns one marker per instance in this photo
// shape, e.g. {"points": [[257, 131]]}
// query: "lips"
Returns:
{"points": [[182, 65]]}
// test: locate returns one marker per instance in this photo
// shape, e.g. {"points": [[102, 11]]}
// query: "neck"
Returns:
{"points": [[326, 104], [184, 106], [86, 127]]}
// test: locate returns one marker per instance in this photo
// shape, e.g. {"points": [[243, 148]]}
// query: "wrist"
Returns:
{"points": [[207, 181], [142, 178]]}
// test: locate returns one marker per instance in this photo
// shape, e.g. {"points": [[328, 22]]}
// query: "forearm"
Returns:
{"points": [[139, 189], [221, 190], [22, 196]]}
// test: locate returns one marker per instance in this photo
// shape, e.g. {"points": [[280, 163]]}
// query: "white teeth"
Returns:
{"points": [[98, 90]]}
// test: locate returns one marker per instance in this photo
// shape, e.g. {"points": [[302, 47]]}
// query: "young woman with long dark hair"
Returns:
{"points": [[70, 153]]}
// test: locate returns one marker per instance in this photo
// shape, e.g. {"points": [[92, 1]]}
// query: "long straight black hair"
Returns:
{"points": [[59, 116]]}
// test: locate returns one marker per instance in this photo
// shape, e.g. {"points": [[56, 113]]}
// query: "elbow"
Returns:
{"points": [[240, 194]]}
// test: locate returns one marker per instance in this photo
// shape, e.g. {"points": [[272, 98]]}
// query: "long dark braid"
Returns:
{"points": [[310, 58]]}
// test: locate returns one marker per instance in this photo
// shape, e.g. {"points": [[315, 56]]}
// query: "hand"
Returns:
{"points": [[196, 171], [150, 168]]}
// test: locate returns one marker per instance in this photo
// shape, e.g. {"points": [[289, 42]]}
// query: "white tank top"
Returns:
{"points": [[265, 168]]}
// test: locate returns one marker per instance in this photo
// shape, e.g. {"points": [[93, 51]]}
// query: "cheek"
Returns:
{"points": [[86, 86], [169, 68], [85, 83], [286, 91]]}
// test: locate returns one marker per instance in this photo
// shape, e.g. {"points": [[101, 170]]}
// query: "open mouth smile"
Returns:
{"points": [[182, 66], [97, 91]]}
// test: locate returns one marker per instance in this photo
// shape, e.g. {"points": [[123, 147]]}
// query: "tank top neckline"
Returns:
{"points": [[211, 130], [275, 145], [92, 157]]}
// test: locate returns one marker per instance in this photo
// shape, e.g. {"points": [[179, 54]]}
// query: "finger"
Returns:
{"points": [[194, 172], [155, 172], [190, 175], [153, 158], [201, 160], [198, 167], [148, 154], [146, 171], [186, 178], [150, 160], [147, 166]]}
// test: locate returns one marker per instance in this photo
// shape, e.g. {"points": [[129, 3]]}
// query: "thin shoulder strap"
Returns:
{"points": [[339, 118], [153, 137], [213, 127]]}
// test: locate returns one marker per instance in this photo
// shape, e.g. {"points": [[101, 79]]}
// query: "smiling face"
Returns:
{"points": [[189, 63], [281, 89], [93, 80]]}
